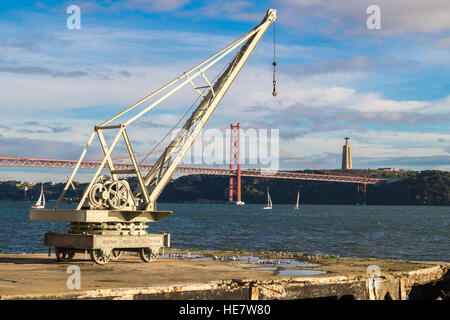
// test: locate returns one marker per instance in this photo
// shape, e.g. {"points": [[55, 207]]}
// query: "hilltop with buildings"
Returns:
{"points": [[406, 187]]}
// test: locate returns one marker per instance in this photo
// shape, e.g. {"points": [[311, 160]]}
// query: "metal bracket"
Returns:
{"points": [[193, 85], [207, 81]]}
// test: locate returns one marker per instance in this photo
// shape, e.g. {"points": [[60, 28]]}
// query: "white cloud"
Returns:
{"points": [[106, 86], [233, 10], [252, 89], [348, 16], [443, 43], [439, 106], [147, 6], [377, 148], [152, 5]]}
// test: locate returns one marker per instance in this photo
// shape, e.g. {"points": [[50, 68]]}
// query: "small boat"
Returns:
{"points": [[269, 201], [298, 199], [40, 204]]}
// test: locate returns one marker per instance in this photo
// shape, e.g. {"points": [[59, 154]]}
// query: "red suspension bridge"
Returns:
{"points": [[235, 174]]}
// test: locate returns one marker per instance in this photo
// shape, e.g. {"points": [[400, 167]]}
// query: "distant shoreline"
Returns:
{"points": [[411, 188]]}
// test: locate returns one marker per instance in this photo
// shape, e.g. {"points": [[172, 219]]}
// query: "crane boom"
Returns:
{"points": [[110, 192]]}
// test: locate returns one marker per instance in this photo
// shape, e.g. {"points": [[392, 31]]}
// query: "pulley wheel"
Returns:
{"points": [[118, 195]]}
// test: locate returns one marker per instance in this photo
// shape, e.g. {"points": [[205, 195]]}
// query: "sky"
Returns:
{"points": [[387, 88]]}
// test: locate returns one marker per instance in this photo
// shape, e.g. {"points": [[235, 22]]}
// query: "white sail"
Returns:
{"points": [[40, 204], [298, 200], [269, 200], [40, 198]]}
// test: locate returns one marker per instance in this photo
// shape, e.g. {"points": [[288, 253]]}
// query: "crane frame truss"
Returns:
{"points": [[151, 186], [109, 218]]}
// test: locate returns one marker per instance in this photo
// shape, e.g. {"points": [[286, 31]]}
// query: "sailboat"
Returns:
{"points": [[298, 199], [269, 201], [40, 204]]}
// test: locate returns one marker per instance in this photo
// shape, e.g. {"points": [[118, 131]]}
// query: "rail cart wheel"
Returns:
{"points": [[148, 255], [64, 254], [115, 254], [99, 256]]}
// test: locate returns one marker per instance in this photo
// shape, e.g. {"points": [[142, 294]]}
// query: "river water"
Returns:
{"points": [[397, 232]]}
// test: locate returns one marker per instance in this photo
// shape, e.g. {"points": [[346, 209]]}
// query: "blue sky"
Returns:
{"points": [[388, 89]]}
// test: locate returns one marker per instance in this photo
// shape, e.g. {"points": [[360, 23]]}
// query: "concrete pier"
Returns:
{"points": [[37, 276]]}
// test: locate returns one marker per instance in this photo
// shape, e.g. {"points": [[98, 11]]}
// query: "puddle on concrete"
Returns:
{"points": [[299, 272], [262, 268], [260, 261], [290, 272], [181, 256]]}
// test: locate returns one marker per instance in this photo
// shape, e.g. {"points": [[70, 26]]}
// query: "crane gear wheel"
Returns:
{"points": [[118, 195], [98, 195]]}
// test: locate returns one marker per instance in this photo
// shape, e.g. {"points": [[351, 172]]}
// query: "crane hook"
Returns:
{"points": [[274, 92], [274, 63]]}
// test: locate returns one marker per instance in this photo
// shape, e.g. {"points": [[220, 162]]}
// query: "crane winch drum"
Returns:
{"points": [[110, 217]]}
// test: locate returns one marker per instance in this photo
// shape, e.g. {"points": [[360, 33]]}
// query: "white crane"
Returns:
{"points": [[110, 192], [108, 206]]}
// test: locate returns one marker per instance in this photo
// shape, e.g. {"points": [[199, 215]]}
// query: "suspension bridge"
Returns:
{"points": [[235, 173]]}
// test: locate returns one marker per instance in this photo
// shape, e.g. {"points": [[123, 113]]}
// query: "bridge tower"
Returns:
{"points": [[361, 188], [235, 156]]}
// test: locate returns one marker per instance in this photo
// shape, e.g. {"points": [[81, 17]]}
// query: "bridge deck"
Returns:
{"points": [[56, 163]]}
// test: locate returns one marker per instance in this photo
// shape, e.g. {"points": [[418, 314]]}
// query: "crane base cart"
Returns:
{"points": [[104, 234]]}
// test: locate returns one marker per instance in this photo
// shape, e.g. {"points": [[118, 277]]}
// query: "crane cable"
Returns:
{"points": [[274, 63]]}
